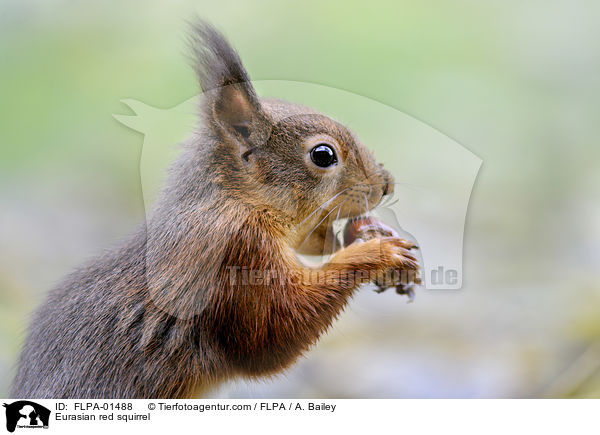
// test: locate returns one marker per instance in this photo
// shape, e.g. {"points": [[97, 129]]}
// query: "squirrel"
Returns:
{"points": [[165, 314]]}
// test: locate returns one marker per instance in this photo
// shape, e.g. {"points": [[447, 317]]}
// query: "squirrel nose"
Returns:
{"points": [[388, 186], [388, 189]]}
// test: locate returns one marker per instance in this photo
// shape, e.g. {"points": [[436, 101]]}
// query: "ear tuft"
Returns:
{"points": [[216, 63]]}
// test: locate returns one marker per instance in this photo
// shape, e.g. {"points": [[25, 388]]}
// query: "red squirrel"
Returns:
{"points": [[166, 314]]}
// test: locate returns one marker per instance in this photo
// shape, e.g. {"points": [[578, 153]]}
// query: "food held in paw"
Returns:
{"points": [[364, 228]]}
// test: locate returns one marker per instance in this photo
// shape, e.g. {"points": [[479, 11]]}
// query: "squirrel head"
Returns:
{"points": [[281, 157]]}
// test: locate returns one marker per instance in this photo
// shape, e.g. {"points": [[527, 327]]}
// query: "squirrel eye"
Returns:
{"points": [[323, 155]]}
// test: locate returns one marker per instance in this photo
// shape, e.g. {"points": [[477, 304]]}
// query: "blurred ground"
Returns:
{"points": [[516, 83]]}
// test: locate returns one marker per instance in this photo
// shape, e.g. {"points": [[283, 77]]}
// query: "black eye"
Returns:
{"points": [[323, 155]]}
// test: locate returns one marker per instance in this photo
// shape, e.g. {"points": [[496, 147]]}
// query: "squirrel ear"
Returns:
{"points": [[233, 111], [231, 102]]}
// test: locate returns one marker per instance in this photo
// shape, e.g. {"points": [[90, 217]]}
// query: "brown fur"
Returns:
{"points": [[161, 316]]}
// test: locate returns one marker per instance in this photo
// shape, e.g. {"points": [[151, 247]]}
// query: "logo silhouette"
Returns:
{"points": [[26, 414]]}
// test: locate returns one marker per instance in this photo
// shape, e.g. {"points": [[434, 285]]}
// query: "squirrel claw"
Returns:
{"points": [[401, 289], [408, 290], [379, 289]]}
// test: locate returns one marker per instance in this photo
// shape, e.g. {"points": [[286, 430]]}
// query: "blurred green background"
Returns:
{"points": [[516, 82]]}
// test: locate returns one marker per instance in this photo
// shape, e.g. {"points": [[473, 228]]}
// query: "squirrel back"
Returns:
{"points": [[210, 287]]}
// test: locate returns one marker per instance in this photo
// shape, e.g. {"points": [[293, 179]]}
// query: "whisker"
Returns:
{"points": [[366, 201], [317, 226], [347, 214], [335, 236], [391, 203], [365, 211], [394, 183], [324, 204], [385, 200]]}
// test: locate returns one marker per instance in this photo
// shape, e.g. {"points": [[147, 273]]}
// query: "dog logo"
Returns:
{"points": [[26, 414]]}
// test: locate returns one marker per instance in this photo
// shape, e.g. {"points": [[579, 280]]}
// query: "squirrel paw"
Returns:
{"points": [[404, 274], [379, 255], [395, 253]]}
